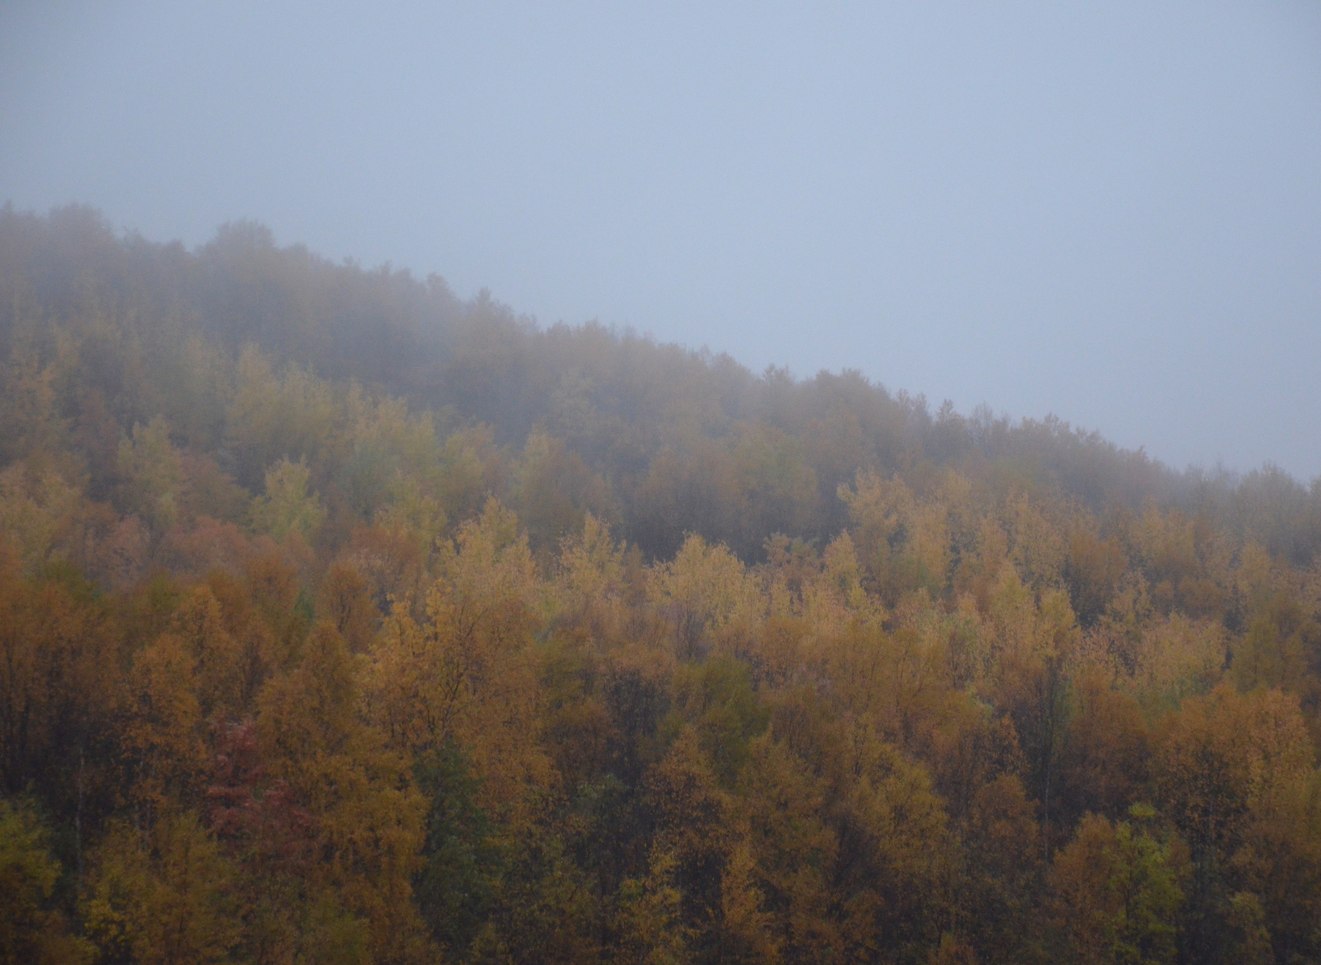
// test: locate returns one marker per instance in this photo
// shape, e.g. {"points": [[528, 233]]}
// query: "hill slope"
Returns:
{"points": [[339, 613]]}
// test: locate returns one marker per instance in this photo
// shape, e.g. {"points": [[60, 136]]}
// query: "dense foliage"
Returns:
{"points": [[342, 621]]}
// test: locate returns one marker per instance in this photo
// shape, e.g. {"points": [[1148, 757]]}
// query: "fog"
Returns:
{"points": [[1110, 214]]}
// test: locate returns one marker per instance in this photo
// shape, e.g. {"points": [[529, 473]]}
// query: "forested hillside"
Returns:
{"points": [[344, 620]]}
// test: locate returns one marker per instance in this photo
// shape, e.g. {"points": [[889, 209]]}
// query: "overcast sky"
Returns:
{"points": [[1108, 211]]}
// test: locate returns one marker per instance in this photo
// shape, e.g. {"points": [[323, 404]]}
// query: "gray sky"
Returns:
{"points": [[1108, 211]]}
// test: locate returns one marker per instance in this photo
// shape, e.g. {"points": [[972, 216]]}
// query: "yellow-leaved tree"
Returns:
{"points": [[465, 672], [366, 815]]}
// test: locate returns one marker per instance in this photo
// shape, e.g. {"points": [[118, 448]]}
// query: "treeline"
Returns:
{"points": [[342, 620], [656, 439]]}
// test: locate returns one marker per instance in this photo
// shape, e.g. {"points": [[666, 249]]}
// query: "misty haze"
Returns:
{"points": [[568, 483]]}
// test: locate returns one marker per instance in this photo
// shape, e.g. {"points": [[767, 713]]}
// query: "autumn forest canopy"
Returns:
{"points": [[346, 620]]}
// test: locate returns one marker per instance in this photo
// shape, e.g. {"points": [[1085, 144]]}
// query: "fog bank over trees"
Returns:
{"points": [[1107, 213]]}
